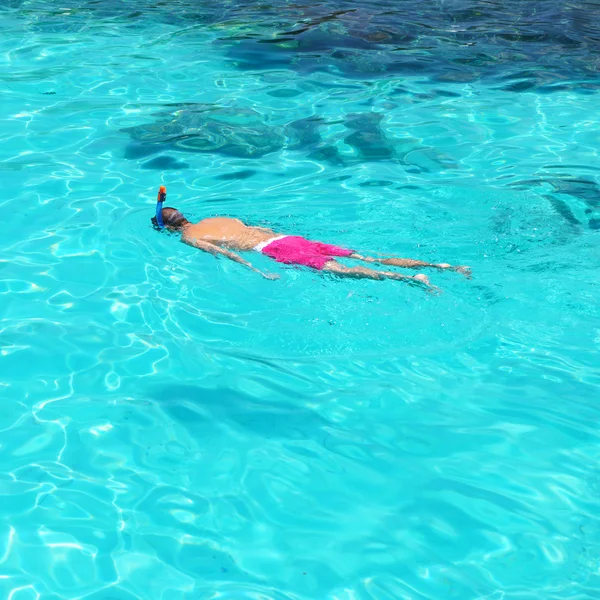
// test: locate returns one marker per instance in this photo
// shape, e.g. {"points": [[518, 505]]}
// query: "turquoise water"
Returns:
{"points": [[174, 427]]}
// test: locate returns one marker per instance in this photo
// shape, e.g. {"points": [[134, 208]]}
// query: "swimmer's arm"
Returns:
{"points": [[214, 250]]}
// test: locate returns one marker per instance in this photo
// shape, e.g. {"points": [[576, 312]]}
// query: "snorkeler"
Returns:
{"points": [[221, 235]]}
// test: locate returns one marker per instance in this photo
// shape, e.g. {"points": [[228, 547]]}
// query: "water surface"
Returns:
{"points": [[175, 427]]}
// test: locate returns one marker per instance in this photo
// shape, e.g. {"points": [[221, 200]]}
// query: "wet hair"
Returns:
{"points": [[171, 218]]}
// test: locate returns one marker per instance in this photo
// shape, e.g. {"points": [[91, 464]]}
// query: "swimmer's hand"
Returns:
{"points": [[218, 251], [271, 276]]}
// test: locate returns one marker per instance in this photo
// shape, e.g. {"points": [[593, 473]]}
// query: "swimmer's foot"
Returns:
{"points": [[466, 271], [423, 281]]}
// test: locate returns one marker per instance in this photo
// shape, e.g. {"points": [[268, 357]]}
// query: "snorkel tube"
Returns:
{"points": [[162, 196]]}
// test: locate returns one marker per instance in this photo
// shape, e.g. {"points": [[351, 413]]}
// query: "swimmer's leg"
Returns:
{"points": [[336, 268], [409, 263]]}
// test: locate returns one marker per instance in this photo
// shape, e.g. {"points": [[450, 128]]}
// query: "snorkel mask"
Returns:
{"points": [[162, 196]]}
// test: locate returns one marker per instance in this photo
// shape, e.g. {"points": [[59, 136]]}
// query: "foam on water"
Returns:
{"points": [[175, 427]]}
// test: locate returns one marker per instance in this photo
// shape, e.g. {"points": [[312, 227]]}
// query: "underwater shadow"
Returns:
{"points": [[285, 419]]}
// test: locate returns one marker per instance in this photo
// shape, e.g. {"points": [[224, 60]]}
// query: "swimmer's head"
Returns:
{"points": [[172, 219]]}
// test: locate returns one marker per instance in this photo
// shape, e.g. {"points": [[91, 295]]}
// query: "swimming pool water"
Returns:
{"points": [[174, 427]]}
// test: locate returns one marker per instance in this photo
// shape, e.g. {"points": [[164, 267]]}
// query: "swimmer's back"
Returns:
{"points": [[228, 232]]}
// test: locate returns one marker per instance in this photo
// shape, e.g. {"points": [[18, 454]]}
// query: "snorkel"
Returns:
{"points": [[162, 196]]}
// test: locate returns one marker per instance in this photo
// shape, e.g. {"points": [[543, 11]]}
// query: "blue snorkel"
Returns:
{"points": [[162, 196]]}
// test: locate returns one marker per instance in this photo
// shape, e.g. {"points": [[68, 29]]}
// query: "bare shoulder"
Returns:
{"points": [[221, 231], [199, 231], [214, 223]]}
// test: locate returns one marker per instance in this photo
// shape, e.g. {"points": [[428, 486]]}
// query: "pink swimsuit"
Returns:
{"points": [[295, 250]]}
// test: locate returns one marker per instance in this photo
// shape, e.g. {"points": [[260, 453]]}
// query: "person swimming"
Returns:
{"points": [[222, 235]]}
